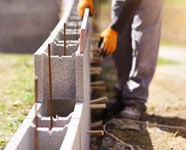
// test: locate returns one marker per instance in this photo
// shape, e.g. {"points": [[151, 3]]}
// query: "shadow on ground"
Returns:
{"points": [[136, 133]]}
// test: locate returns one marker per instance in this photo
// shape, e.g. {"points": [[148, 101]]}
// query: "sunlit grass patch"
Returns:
{"points": [[16, 93], [163, 61], [175, 3]]}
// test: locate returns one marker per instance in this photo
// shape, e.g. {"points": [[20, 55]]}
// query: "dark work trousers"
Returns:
{"points": [[137, 50]]}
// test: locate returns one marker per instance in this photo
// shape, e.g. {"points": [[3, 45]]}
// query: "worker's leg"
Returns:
{"points": [[146, 28], [122, 58], [123, 54]]}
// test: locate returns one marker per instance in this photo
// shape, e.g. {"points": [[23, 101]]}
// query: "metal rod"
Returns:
{"points": [[101, 88], [95, 83], [96, 132], [95, 51], [77, 27], [96, 60], [82, 40], [65, 39], [36, 119], [98, 106], [96, 124], [96, 70], [99, 100], [50, 87]]}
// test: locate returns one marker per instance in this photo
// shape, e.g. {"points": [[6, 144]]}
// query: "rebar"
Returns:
{"points": [[65, 39], [77, 31], [36, 119], [50, 86]]}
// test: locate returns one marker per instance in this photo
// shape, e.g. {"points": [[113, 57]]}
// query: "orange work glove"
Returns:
{"points": [[85, 4], [109, 37]]}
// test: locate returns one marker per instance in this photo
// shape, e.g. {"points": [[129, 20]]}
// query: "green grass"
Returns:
{"points": [[175, 3], [16, 94], [173, 44], [162, 61]]}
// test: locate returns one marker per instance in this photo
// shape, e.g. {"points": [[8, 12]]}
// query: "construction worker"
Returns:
{"points": [[133, 38]]}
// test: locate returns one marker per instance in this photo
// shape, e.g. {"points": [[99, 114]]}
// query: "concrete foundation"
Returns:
{"points": [[70, 74], [47, 139]]}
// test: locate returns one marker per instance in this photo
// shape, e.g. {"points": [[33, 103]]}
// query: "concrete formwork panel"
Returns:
{"points": [[47, 139], [63, 79], [57, 48], [70, 74]]}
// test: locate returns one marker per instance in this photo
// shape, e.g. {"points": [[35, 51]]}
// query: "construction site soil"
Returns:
{"points": [[163, 127]]}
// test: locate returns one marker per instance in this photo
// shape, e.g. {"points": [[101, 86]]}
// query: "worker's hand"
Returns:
{"points": [[85, 4], [109, 37]]}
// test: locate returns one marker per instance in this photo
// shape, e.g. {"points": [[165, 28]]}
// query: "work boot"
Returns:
{"points": [[131, 112], [115, 105]]}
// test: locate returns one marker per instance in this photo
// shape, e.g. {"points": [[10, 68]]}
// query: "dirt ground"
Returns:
{"points": [[161, 126]]}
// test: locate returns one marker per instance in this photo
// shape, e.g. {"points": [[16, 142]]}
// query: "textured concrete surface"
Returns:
{"points": [[70, 94], [24, 137]]}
